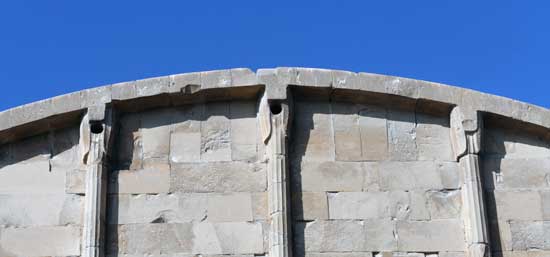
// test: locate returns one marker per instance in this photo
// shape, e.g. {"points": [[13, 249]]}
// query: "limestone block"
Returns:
{"points": [[218, 177], [402, 254], [177, 238], [75, 182], [500, 234], [374, 133], [309, 206], [216, 79], [452, 254], [445, 204], [129, 143], [372, 178], [216, 133], [345, 79], [402, 136], [368, 205], [64, 151], [380, 235], [433, 138], [419, 206], [514, 145], [152, 86], [347, 134], [96, 96], [525, 173], [46, 241], [123, 90], [530, 235], [329, 176], [431, 236], [178, 82], [30, 112], [418, 175], [337, 254], [185, 147], [40, 209], [228, 238], [545, 198], [153, 180], [243, 130], [32, 177], [313, 139], [230, 207], [330, 236], [243, 77], [161, 208], [313, 77], [260, 206], [136, 238], [507, 203], [32, 149], [155, 132]]}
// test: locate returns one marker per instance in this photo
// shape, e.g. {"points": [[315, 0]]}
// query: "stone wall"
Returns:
{"points": [[369, 179], [283, 162], [37, 201], [516, 167]]}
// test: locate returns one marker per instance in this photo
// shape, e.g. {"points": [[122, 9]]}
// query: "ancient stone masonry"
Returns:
{"points": [[280, 162]]}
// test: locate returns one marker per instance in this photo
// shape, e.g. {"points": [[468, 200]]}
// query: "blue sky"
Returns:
{"points": [[48, 48]]}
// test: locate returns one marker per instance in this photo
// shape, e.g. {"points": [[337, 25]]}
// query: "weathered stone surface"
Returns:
{"points": [[431, 236], [508, 201], [313, 139], [23, 210], [155, 132], [216, 133], [418, 175], [380, 235], [329, 176], [374, 133], [419, 206], [218, 177], [452, 254], [433, 138], [46, 241], [75, 182], [445, 204], [228, 238], [185, 141], [243, 131], [368, 205], [528, 235], [33, 177], [230, 207], [402, 136], [153, 180], [330, 236], [525, 173], [310, 206], [337, 254], [152, 86]]}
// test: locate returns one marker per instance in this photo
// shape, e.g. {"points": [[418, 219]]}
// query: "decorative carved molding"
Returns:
{"points": [[466, 144]]}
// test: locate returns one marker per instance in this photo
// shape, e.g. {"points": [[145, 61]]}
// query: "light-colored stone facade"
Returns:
{"points": [[282, 162]]}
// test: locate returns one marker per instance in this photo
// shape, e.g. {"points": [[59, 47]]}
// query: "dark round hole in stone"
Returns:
{"points": [[96, 127], [275, 108]]}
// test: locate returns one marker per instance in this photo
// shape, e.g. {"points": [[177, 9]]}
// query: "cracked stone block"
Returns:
{"points": [[216, 133], [431, 236], [46, 241], [368, 205], [402, 136], [328, 176], [218, 177], [372, 177]]}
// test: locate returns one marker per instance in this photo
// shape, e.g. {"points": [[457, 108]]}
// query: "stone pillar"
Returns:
{"points": [[466, 146], [94, 132], [274, 127]]}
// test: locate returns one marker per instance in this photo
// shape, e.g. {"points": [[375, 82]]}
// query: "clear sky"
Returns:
{"points": [[48, 48]]}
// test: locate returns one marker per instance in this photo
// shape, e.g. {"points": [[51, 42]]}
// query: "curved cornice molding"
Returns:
{"points": [[276, 81]]}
